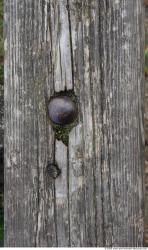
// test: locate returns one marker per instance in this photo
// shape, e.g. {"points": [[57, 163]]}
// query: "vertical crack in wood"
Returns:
{"points": [[94, 163], [60, 59], [71, 47], [55, 215], [38, 189], [55, 203], [105, 142], [37, 136], [102, 110], [68, 196], [47, 100], [72, 72], [141, 90]]}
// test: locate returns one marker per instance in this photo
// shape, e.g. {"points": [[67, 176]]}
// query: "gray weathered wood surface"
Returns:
{"points": [[95, 48]]}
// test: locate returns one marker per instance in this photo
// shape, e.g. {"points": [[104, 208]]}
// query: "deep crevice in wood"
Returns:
{"points": [[68, 196], [71, 47], [38, 191], [55, 216], [54, 195], [94, 143], [102, 111]]}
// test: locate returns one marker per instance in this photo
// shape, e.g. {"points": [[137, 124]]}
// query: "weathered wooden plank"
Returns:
{"points": [[77, 189], [80, 28], [29, 206], [94, 48], [61, 50], [105, 36], [62, 201]]}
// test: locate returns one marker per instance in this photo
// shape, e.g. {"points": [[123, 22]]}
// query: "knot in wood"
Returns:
{"points": [[53, 170]]}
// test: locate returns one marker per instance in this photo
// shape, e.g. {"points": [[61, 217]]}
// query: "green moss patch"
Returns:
{"points": [[62, 132]]}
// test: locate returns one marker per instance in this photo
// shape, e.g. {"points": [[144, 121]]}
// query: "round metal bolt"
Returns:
{"points": [[62, 110]]}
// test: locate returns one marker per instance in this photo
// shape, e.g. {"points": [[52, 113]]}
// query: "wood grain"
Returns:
{"points": [[94, 48]]}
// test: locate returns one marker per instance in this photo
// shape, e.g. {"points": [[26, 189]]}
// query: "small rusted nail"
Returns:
{"points": [[62, 110], [53, 170]]}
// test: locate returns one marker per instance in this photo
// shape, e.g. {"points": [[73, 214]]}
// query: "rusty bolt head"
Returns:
{"points": [[62, 110]]}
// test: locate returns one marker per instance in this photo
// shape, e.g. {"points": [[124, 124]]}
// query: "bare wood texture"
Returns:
{"points": [[94, 48], [1, 136]]}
